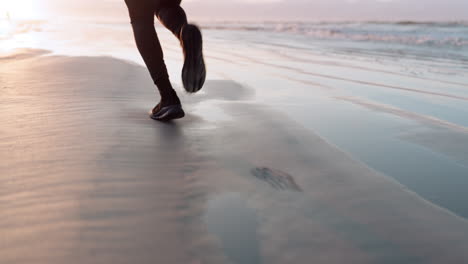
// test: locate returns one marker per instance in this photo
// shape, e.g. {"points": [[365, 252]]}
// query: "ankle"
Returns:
{"points": [[170, 98], [168, 95]]}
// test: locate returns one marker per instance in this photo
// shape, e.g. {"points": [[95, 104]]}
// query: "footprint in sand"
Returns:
{"points": [[277, 179]]}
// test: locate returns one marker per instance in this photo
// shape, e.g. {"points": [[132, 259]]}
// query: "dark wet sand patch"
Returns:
{"points": [[277, 179]]}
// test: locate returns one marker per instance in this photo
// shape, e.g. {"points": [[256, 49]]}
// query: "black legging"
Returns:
{"points": [[142, 13]]}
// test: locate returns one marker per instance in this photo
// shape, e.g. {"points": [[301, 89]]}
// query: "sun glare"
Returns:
{"points": [[20, 9]]}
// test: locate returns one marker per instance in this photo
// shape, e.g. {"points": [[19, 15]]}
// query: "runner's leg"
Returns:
{"points": [[142, 19], [173, 17]]}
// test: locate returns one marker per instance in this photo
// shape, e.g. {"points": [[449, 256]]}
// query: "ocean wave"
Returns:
{"points": [[453, 34], [9, 28], [433, 24]]}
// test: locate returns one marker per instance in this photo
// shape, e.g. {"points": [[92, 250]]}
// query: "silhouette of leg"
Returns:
{"points": [[173, 18], [147, 41]]}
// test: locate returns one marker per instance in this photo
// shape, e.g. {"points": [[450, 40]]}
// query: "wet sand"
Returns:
{"points": [[87, 177]]}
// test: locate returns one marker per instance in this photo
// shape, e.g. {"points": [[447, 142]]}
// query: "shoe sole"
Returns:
{"points": [[168, 113], [194, 69]]}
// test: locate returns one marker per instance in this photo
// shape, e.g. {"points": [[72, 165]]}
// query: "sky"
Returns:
{"points": [[313, 10]]}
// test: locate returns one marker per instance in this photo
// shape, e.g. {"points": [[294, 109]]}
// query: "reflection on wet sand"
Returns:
{"points": [[235, 224], [87, 177]]}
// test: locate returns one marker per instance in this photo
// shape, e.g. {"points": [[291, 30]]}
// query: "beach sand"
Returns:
{"points": [[87, 177]]}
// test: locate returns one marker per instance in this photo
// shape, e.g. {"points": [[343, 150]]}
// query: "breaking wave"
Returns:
{"points": [[453, 34]]}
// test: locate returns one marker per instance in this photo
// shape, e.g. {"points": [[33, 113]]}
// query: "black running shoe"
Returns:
{"points": [[167, 113], [194, 70]]}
